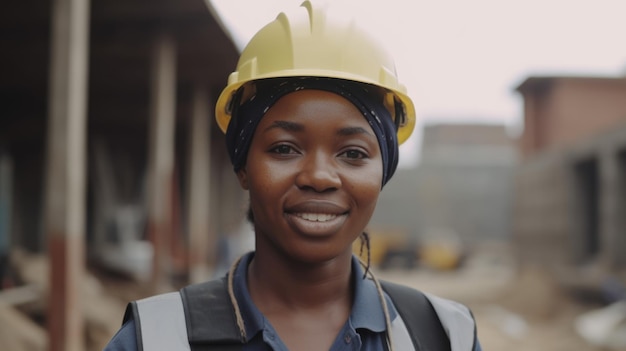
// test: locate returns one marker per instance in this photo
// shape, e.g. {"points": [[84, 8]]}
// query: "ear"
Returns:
{"points": [[242, 175]]}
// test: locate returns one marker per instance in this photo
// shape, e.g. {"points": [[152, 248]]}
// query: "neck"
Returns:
{"points": [[277, 282]]}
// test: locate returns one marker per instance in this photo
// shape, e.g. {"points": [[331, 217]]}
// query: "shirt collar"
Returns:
{"points": [[252, 317], [366, 313]]}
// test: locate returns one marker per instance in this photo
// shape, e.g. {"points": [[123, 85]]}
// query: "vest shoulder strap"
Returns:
{"points": [[433, 323], [198, 318], [419, 317], [210, 315]]}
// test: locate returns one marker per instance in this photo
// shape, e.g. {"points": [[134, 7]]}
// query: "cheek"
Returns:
{"points": [[267, 180], [368, 196], [366, 187], [269, 176]]}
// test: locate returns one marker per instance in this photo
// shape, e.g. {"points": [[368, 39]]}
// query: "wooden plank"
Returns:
{"points": [[20, 295]]}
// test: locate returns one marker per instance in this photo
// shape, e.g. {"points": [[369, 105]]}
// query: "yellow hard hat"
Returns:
{"points": [[312, 41]]}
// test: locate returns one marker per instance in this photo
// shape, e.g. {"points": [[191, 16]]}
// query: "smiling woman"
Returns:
{"points": [[314, 172], [313, 117]]}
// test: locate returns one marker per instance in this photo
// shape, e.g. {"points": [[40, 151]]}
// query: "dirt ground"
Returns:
{"points": [[515, 309]]}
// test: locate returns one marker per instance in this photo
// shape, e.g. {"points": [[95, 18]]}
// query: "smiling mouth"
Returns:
{"points": [[316, 217], [311, 224]]}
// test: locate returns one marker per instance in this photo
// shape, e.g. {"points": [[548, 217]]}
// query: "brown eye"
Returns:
{"points": [[354, 154], [283, 149]]}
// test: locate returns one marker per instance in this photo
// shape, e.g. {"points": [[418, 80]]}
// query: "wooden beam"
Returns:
{"points": [[161, 157], [65, 178], [202, 242]]}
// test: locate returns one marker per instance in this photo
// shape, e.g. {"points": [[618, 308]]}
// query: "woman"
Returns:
{"points": [[313, 116]]}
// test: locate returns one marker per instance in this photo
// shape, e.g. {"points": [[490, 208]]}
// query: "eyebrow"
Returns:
{"points": [[353, 131], [286, 125], [297, 127]]}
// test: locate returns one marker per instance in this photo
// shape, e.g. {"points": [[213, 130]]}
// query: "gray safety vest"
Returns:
{"points": [[171, 322]]}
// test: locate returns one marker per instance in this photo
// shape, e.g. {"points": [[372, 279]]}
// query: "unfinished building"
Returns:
{"points": [[570, 202]]}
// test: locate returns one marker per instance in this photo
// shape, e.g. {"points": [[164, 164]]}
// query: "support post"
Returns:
{"points": [[64, 211], [161, 157], [202, 242]]}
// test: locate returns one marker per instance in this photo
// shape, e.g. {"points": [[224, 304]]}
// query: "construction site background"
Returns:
{"points": [[115, 185]]}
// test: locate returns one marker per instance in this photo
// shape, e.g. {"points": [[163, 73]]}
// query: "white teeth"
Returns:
{"points": [[316, 217]]}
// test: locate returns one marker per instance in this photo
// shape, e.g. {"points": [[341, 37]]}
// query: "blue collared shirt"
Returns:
{"points": [[364, 329]]}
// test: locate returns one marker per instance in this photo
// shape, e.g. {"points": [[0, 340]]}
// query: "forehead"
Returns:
{"points": [[317, 106]]}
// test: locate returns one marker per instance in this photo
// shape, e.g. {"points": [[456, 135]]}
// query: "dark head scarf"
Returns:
{"points": [[368, 99]]}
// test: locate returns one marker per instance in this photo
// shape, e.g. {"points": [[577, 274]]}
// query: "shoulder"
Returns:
{"points": [[174, 302], [419, 310], [456, 319], [159, 321], [124, 340], [407, 298], [165, 318], [449, 309]]}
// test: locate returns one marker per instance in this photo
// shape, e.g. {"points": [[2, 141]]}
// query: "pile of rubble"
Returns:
{"points": [[23, 307]]}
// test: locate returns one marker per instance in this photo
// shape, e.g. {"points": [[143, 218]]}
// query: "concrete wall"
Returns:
{"points": [[570, 197], [464, 183], [541, 214]]}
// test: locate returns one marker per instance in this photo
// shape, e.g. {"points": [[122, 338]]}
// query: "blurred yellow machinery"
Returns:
{"points": [[397, 248]]}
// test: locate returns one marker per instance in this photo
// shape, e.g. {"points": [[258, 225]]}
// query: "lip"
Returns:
{"points": [[316, 228], [316, 206]]}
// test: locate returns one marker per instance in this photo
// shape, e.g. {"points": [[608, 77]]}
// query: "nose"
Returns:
{"points": [[318, 173]]}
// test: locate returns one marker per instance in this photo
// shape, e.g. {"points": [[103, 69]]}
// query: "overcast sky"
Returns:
{"points": [[461, 60]]}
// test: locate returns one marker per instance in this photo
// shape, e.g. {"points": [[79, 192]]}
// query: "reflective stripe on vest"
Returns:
{"points": [[400, 335], [162, 321]]}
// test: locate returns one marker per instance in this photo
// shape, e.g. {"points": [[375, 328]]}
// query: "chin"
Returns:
{"points": [[314, 254]]}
